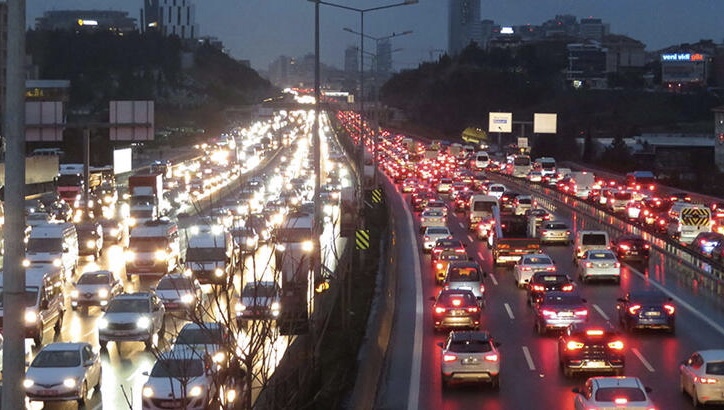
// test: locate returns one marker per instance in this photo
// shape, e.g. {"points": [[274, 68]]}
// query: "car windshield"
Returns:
{"points": [[613, 393], [128, 305], [57, 358], [45, 245], [716, 368], [94, 279], [174, 283], [31, 296], [594, 239], [259, 291], [199, 336], [470, 346], [147, 244], [178, 368], [464, 274]]}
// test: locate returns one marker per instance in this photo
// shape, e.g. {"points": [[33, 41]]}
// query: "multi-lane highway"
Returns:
{"points": [[530, 374]]}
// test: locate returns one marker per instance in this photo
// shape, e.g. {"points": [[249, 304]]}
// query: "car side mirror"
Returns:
{"points": [[440, 344], [576, 390]]}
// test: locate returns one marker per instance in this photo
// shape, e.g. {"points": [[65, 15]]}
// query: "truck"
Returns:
{"points": [[146, 200], [511, 238], [293, 244], [584, 183], [210, 254], [347, 212], [70, 181], [481, 208], [153, 248]]}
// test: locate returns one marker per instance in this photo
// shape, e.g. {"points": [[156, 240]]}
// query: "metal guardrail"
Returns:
{"points": [[708, 273]]}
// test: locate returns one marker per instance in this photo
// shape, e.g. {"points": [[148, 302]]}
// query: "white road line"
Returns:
{"points": [[470, 238], [682, 303], [461, 224], [413, 396], [509, 310], [492, 278], [645, 362], [480, 255], [600, 311], [528, 358]]}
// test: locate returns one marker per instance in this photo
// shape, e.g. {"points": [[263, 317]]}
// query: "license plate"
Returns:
{"points": [[171, 305], [653, 313], [170, 404], [46, 392], [565, 313], [596, 364], [470, 360]]}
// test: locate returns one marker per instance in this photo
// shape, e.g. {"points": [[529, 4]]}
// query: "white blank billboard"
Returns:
{"points": [[131, 120], [545, 123], [44, 121], [122, 160]]}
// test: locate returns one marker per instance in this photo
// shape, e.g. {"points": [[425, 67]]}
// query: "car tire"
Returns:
{"points": [[495, 383], [83, 394], [59, 323], [38, 338], [103, 344], [695, 398]]}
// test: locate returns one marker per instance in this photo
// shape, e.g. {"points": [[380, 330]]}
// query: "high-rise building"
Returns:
{"points": [[86, 20], [464, 25], [178, 17], [351, 60], [150, 18], [384, 57], [592, 29]]}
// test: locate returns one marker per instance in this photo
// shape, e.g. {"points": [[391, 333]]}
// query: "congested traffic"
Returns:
{"points": [[598, 304]]}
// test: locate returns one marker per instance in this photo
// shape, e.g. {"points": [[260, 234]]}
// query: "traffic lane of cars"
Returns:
{"points": [[643, 356]]}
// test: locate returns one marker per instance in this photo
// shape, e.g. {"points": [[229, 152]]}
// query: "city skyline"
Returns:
{"points": [[262, 30]]}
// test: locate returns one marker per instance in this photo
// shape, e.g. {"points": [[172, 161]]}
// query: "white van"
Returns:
{"points": [[687, 220], [585, 182], [153, 249], [44, 298], [55, 244], [481, 207], [482, 160], [210, 254], [587, 240]]}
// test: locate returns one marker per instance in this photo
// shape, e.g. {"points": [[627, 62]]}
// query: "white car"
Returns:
{"points": [[432, 217], [599, 264], [527, 265], [258, 300], [535, 176], [137, 317], [702, 376], [432, 234], [63, 371], [179, 292], [95, 288], [522, 203], [612, 392], [436, 205], [210, 339], [470, 356], [497, 190]]}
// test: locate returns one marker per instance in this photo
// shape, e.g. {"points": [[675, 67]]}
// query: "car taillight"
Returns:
{"points": [[567, 288], [581, 312], [546, 312], [589, 264], [646, 246], [439, 266], [704, 380], [526, 268], [439, 310], [620, 400], [573, 345], [616, 345], [616, 265], [634, 309], [670, 309], [482, 288], [472, 309], [492, 357], [543, 231], [457, 302], [427, 238], [624, 247], [538, 288], [551, 268], [448, 357], [594, 332]]}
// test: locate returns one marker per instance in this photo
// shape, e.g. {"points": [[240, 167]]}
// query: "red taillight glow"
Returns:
{"points": [[634, 309], [594, 332], [473, 309], [439, 310], [620, 400], [567, 288], [589, 264], [439, 266], [538, 288], [492, 357], [670, 309], [546, 312], [447, 358], [573, 345], [704, 380], [616, 345], [624, 247], [616, 265], [581, 312], [457, 302]]}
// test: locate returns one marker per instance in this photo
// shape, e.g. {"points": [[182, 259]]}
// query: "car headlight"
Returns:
{"points": [[31, 316], [275, 306], [26, 262], [147, 391], [28, 383], [57, 262], [239, 307], [187, 299], [307, 246], [160, 255], [74, 294], [90, 244], [103, 293], [219, 357], [218, 272], [249, 241], [196, 391], [143, 322], [102, 323], [70, 383], [131, 221], [280, 247], [130, 256]]}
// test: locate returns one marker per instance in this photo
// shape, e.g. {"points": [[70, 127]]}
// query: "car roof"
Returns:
{"points": [[481, 335], [56, 346], [616, 381], [712, 355], [647, 294]]}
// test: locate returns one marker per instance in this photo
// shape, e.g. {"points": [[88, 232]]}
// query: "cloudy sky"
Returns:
{"points": [[261, 30]]}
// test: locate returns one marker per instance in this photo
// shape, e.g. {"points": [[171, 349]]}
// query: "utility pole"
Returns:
{"points": [[13, 396]]}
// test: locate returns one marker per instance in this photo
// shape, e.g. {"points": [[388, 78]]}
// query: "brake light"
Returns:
{"points": [[616, 345], [670, 309], [473, 309], [704, 380], [543, 231], [482, 290], [581, 312], [594, 332], [526, 268], [551, 268], [624, 247], [646, 246], [439, 266], [538, 288], [457, 302], [634, 309], [616, 265], [567, 288], [439, 310], [427, 238], [546, 312], [620, 400], [447, 358], [573, 345], [492, 357]]}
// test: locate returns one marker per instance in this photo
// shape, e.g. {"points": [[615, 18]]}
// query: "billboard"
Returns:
{"points": [[44, 121], [544, 123], [131, 120], [500, 122], [122, 160]]}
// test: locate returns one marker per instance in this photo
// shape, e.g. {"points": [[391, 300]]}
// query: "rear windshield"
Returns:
{"points": [[622, 195], [715, 368], [464, 274], [556, 226], [613, 393], [594, 239], [470, 346]]}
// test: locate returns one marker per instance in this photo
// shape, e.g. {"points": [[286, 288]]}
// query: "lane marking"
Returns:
{"points": [[600, 311], [492, 278], [681, 302], [413, 396], [645, 362], [528, 358], [461, 224], [470, 239], [509, 310], [480, 255]]}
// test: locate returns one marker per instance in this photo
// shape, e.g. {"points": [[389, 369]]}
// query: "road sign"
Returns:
{"points": [[500, 122], [522, 142], [362, 239], [695, 216]]}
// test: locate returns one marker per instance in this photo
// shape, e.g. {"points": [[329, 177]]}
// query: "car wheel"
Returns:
{"points": [[695, 398], [83, 394], [495, 383], [59, 323], [103, 344], [38, 338]]}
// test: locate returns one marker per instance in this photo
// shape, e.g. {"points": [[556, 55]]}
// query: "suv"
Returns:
{"points": [[591, 348], [132, 317], [208, 338], [470, 356], [587, 240], [466, 275]]}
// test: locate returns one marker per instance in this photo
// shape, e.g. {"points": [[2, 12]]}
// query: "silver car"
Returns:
{"points": [[432, 234], [95, 288], [554, 232], [470, 356], [466, 275], [599, 264], [432, 217]]}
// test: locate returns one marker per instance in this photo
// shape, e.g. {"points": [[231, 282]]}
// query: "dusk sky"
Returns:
{"points": [[262, 30]]}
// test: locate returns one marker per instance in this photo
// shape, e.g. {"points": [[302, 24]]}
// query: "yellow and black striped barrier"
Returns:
{"points": [[362, 239]]}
